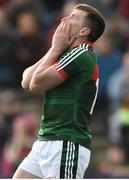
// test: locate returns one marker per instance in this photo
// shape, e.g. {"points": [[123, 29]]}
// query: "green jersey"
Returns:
{"points": [[67, 108]]}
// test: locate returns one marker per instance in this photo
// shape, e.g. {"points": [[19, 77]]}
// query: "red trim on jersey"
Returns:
{"points": [[63, 74], [89, 43], [95, 74]]}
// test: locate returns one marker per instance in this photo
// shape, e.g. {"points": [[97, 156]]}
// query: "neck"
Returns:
{"points": [[77, 42]]}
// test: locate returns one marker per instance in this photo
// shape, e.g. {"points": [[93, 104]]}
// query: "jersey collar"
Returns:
{"points": [[86, 43]]}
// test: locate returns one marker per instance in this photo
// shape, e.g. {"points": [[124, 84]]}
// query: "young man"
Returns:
{"points": [[68, 74]]}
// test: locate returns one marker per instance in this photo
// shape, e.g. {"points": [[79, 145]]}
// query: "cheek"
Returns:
{"points": [[75, 29]]}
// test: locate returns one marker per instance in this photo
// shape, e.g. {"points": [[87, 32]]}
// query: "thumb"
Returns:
{"points": [[71, 41]]}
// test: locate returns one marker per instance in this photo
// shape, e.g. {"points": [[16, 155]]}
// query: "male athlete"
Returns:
{"points": [[68, 74]]}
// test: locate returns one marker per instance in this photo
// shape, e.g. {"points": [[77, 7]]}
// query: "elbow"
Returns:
{"points": [[24, 85], [34, 88]]}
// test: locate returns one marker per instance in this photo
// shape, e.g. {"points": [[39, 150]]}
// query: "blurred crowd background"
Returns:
{"points": [[26, 29]]}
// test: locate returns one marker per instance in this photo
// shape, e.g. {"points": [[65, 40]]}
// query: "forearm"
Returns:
{"points": [[51, 57], [28, 73], [38, 81]]}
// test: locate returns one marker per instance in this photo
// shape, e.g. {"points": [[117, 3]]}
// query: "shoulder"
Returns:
{"points": [[82, 51], [86, 55]]}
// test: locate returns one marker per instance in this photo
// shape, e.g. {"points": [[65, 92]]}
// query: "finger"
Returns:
{"points": [[58, 28], [63, 27], [68, 27]]}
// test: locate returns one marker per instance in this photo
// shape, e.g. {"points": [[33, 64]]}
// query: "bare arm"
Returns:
{"points": [[45, 76], [28, 73]]}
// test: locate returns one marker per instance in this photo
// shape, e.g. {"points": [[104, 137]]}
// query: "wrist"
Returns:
{"points": [[51, 56], [56, 51]]}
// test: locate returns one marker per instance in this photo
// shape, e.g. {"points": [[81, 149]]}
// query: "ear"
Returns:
{"points": [[84, 32]]}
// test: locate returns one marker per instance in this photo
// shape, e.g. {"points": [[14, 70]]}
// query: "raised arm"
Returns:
{"points": [[45, 76], [28, 73], [60, 43]]}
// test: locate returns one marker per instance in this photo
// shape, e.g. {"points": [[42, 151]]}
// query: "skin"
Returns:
{"points": [[43, 76], [78, 29]]}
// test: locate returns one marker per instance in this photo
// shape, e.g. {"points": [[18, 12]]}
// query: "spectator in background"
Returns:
{"points": [[2, 134], [10, 107], [24, 131], [109, 60], [7, 77], [118, 83], [118, 30], [19, 2], [113, 163], [18, 6], [123, 8], [4, 4], [30, 43], [119, 124]]}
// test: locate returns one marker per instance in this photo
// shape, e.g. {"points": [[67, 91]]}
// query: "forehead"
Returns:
{"points": [[79, 13]]}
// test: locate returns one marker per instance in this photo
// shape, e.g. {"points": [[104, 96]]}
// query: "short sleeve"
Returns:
{"points": [[74, 63]]}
